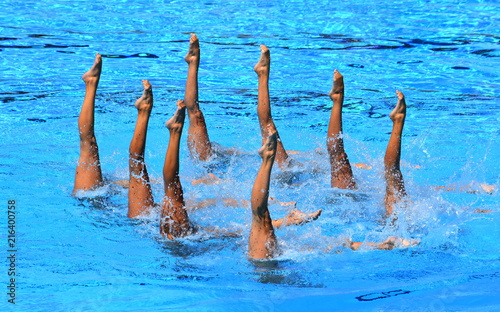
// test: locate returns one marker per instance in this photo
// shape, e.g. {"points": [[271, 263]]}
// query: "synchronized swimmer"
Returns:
{"points": [[174, 221]]}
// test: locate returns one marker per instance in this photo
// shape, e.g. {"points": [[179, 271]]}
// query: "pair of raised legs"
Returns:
{"points": [[341, 172], [198, 140], [174, 220]]}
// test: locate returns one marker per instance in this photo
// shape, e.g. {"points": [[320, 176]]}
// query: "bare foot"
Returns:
{"points": [[297, 217], [273, 200], [94, 73], [209, 179], [338, 86], [263, 65], [482, 211], [268, 150], [395, 242], [193, 55], [122, 182], [362, 166], [390, 243], [176, 123], [399, 111], [145, 102], [353, 245], [488, 188], [441, 187]]}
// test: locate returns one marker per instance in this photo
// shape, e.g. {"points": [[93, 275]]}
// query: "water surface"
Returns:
{"points": [[85, 255]]}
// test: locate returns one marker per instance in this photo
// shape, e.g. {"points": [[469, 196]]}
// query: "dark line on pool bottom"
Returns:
{"points": [[120, 56], [382, 295]]}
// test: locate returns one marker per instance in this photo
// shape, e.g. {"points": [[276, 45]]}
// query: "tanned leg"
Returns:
{"points": [[342, 176], [198, 141], [88, 171], [262, 242], [262, 69], [174, 220], [395, 188], [140, 197]]}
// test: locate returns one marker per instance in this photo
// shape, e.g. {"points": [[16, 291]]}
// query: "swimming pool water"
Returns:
{"points": [[85, 255]]}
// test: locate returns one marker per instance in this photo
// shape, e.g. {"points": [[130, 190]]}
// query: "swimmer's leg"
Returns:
{"points": [[174, 220], [395, 188], [198, 141], [140, 196], [262, 69], [88, 171], [262, 242], [342, 176]]}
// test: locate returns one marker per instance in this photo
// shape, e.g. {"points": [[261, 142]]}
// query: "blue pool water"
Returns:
{"points": [[85, 255]]}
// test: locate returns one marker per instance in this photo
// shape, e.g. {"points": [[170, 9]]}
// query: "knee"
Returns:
{"points": [[87, 136], [88, 141], [135, 156], [335, 147], [338, 158], [392, 172], [136, 162], [197, 116]]}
